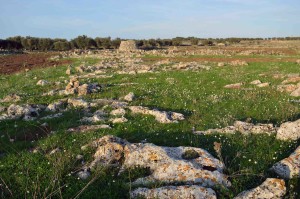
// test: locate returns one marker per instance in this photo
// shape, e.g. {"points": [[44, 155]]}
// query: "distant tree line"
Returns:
{"points": [[85, 42]]}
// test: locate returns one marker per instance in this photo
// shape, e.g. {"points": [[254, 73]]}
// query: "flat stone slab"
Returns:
{"points": [[289, 131], [178, 192]]}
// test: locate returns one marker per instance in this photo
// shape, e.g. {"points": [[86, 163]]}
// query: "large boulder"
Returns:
{"points": [[271, 188], [290, 166], [289, 131]]}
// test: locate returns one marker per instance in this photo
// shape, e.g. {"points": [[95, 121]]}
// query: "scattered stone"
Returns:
{"points": [[292, 80], [289, 131], [118, 120], [165, 163], [85, 128], [287, 88], [255, 82], [178, 192], [263, 85], [298, 61], [68, 71], [11, 98], [129, 97], [271, 188], [234, 86], [160, 116], [42, 82], [2, 109], [242, 127], [98, 116], [289, 167], [119, 111]]}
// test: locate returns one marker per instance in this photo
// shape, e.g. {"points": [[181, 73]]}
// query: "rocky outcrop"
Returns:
{"points": [[289, 131], [160, 116], [129, 97], [167, 164], [11, 98], [178, 192], [271, 188], [242, 127], [289, 167]]}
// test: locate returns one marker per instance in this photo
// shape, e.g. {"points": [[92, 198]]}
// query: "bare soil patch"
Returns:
{"points": [[13, 63]]}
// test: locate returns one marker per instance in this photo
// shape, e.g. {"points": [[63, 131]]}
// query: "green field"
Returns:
{"points": [[199, 95]]}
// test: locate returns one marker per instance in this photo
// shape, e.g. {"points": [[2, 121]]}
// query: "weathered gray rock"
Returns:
{"points": [[28, 112], [271, 188], [289, 167], [289, 131], [57, 115], [178, 192], [56, 106], [98, 116], [160, 116], [84, 174], [167, 164]]}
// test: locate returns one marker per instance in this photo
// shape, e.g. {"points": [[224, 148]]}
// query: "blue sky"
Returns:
{"points": [[137, 19]]}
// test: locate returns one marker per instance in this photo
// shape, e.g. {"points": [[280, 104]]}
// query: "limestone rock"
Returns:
{"points": [[289, 131], [84, 174], [129, 97], [242, 127], [98, 116], [165, 163], [42, 82], [28, 112], [296, 93], [119, 111], [76, 102], [291, 80], [287, 88], [178, 192], [160, 116], [239, 63], [85, 128], [221, 64], [255, 82], [118, 120], [289, 167], [234, 86], [56, 106], [266, 84], [57, 115], [271, 188], [11, 98]]}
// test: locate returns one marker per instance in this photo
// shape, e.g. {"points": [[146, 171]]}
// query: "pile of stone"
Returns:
{"points": [[26, 112], [128, 46], [291, 85]]}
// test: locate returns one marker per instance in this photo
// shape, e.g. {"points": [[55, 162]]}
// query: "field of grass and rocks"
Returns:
{"points": [[175, 121]]}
